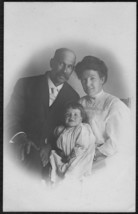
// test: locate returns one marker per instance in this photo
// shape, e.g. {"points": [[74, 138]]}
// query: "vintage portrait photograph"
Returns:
{"points": [[69, 139]]}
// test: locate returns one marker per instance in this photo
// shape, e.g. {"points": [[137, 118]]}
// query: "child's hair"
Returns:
{"points": [[76, 105]]}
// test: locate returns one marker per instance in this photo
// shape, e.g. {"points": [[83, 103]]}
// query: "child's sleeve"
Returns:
{"points": [[84, 140], [83, 153], [56, 133], [58, 130]]}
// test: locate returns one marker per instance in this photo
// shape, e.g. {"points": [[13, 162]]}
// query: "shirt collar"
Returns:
{"points": [[51, 85], [96, 96], [99, 94]]}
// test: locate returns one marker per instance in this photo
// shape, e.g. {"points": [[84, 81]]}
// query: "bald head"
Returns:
{"points": [[62, 52]]}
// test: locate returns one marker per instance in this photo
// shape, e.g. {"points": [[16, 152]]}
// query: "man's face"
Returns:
{"points": [[73, 117], [62, 67]]}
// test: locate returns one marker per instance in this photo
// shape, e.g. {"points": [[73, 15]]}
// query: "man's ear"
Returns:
{"points": [[52, 63]]}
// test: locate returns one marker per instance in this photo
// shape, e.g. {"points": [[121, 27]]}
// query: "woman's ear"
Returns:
{"points": [[103, 80]]}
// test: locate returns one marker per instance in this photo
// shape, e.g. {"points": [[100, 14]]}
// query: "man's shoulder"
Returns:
{"points": [[70, 89], [32, 78], [30, 81]]}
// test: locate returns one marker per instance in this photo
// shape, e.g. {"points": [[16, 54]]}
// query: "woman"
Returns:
{"points": [[108, 116]]}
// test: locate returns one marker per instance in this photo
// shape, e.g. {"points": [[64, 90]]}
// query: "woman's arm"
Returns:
{"points": [[117, 129]]}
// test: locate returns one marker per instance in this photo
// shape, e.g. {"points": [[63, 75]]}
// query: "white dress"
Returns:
{"points": [[81, 141], [109, 118], [112, 183]]}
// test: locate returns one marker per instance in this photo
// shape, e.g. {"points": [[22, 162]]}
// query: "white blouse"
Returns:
{"points": [[109, 118]]}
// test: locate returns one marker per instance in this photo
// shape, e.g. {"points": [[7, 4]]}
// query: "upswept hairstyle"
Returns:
{"points": [[94, 63], [76, 105]]}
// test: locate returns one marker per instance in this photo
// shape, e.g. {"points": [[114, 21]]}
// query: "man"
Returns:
{"points": [[36, 108]]}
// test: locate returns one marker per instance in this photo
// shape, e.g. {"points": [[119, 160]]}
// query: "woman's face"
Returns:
{"points": [[73, 117], [91, 82]]}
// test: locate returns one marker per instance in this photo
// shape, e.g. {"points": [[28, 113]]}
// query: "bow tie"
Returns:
{"points": [[91, 100]]}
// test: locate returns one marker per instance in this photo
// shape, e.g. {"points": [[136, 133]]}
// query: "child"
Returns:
{"points": [[75, 146]]}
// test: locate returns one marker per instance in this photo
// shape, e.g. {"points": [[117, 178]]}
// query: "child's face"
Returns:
{"points": [[73, 117], [91, 82]]}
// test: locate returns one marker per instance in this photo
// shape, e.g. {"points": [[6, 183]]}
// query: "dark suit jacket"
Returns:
{"points": [[29, 110]]}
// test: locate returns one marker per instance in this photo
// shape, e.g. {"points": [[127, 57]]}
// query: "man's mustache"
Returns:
{"points": [[64, 75]]}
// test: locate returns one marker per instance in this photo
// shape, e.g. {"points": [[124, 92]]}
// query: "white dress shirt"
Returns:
{"points": [[53, 91]]}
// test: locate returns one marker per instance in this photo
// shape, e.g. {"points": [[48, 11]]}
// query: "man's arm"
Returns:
{"points": [[14, 119], [15, 111]]}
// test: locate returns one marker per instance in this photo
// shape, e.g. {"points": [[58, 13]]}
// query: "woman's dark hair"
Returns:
{"points": [[94, 63], [76, 105]]}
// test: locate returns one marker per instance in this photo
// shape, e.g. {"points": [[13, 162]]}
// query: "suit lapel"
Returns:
{"points": [[62, 96], [45, 93], [42, 95]]}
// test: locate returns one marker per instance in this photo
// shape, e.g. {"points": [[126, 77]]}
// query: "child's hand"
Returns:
{"points": [[65, 159], [60, 152], [72, 155]]}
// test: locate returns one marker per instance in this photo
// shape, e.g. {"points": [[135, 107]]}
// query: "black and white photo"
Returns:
{"points": [[69, 106]]}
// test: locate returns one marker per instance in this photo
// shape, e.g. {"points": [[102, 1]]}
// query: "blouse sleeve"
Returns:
{"points": [[117, 129]]}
